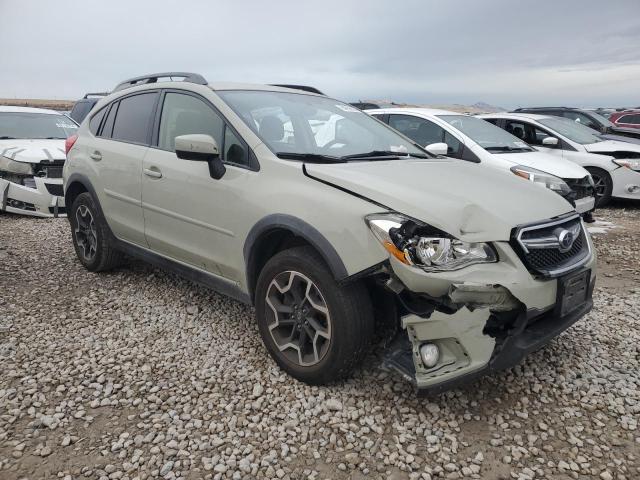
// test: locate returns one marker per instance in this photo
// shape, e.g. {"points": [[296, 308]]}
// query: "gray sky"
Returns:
{"points": [[509, 53]]}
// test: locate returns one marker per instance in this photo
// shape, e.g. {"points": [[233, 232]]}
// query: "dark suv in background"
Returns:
{"points": [[83, 106], [588, 118]]}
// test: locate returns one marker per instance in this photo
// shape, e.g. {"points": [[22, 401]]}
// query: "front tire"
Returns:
{"points": [[603, 185], [315, 329], [91, 238]]}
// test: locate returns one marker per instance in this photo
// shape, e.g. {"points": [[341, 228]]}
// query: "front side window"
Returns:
{"points": [[424, 132], [35, 126], [601, 118], [488, 136], [526, 132], [184, 114], [133, 119], [570, 129], [295, 124], [235, 151], [582, 119]]}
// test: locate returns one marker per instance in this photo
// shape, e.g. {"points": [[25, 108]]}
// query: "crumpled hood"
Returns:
{"points": [[468, 200], [612, 146], [547, 163], [32, 151]]}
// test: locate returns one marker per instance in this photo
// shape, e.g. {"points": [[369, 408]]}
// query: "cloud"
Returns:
{"points": [[503, 52]]}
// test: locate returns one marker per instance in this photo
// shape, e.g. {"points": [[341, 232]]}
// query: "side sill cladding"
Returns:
{"points": [[299, 228]]}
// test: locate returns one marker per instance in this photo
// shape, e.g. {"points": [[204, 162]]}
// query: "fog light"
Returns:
{"points": [[430, 354]]}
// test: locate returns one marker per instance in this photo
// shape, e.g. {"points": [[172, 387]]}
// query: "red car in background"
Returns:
{"points": [[626, 119]]}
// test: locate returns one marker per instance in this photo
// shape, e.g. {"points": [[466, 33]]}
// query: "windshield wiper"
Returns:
{"points": [[7, 137], [383, 155], [506, 148], [55, 138], [309, 157]]}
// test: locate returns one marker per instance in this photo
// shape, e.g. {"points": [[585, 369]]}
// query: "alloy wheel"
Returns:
{"points": [[600, 185], [301, 324], [85, 232]]}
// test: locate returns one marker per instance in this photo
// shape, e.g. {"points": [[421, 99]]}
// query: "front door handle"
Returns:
{"points": [[96, 155], [152, 172]]}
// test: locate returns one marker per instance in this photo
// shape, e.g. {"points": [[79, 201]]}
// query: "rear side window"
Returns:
{"points": [[631, 119], [108, 123], [96, 120], [133, 120]]}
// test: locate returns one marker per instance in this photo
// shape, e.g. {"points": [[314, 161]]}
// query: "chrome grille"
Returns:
{"points": [[49, 169], [552, 248]]}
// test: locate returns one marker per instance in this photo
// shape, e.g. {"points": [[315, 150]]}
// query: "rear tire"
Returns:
{"points": [[315, 329], [604, 185], [91, 236]]}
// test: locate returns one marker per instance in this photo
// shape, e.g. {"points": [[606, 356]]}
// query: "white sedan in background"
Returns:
{"points": [[614, 165], [469, 138], [31, 159]]}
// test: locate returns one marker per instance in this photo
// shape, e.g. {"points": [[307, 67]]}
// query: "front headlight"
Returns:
{"points": [[628, 163], [415, 243], [543, 179], [11, 166]]}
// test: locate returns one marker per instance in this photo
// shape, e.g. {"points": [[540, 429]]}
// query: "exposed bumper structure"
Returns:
{"points": [[584, 205], [45, 199], [500, 313], [626, 183]]}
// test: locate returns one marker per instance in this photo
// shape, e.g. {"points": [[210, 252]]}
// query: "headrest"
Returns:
{"points": [[271, 129]]}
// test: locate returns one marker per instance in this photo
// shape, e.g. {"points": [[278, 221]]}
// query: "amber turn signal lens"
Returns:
{"points": [[522, 173], [393, 250]]}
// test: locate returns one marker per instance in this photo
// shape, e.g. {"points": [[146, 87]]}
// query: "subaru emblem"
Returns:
{"points": [[565, 240]]}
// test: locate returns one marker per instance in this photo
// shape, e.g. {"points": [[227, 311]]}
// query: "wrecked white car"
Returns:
{"points": [[31, 160]]}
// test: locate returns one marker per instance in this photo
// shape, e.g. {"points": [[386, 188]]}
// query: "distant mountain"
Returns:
{"points": [[487, 108]]}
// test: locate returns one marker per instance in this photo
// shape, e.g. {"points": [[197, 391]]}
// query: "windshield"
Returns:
{"points": [[601, 118], [487, 135], [303, 126], [573, 131], [35, 125]]}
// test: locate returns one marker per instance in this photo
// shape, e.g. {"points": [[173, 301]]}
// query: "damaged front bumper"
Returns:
{"points": [[42, 198], [626, 183], [491, 316]]}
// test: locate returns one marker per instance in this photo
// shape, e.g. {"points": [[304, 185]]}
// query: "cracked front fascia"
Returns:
{"points": [[464, 348]]}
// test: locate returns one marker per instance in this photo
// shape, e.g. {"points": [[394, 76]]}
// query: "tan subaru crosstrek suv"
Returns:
{"points": [[339, 230]]}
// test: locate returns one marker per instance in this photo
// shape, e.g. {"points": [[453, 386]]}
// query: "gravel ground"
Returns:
{"points": [[137, 373]]}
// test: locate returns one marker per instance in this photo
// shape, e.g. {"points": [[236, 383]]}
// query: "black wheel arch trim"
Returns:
{"points": [[86, 183], [299, 228]]}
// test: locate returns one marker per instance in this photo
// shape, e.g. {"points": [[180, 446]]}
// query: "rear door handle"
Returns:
{"points": [[97, 156], [152, 172]]}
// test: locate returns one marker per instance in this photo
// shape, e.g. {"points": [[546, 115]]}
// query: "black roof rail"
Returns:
{"points": [[154, 77], [96, 94], [305, 88]]}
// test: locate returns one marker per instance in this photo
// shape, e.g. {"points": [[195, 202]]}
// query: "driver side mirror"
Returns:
{"points": [[440, 148], [550, 142], [201, 148]]}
